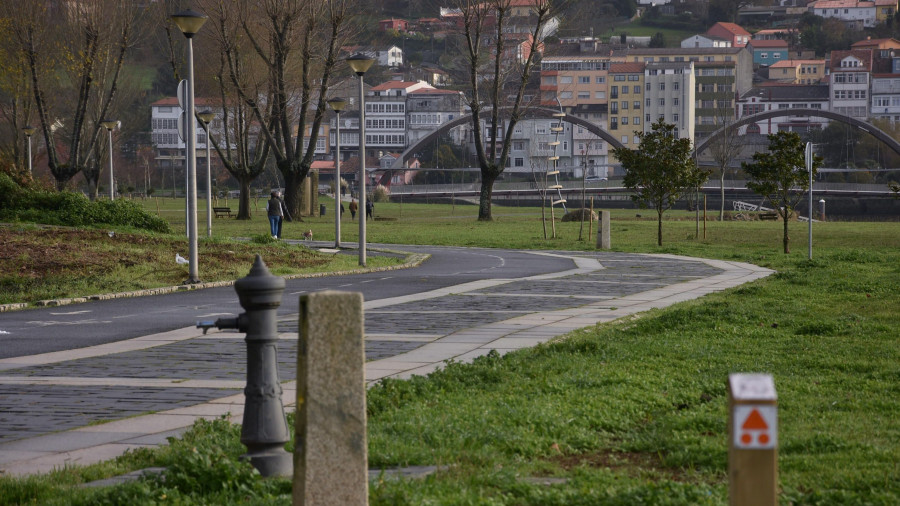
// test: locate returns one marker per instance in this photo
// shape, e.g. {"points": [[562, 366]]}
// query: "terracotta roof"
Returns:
{"points": [[864, 55], [731, 27], [794, 63], [757, 44], [624, 68], [841, 4]]}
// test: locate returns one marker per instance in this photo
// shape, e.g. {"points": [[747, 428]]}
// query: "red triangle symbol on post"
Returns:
{"points": [[755, 421]]}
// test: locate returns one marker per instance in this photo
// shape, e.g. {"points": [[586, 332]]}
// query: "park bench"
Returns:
{"points": [[768, 216], [222, 212]]}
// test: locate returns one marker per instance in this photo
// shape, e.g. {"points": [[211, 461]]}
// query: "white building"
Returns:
{"points": [[851, 11], [669, 94], [850, 82], [164, 117], [386, 126], [784, 97], [705, 41]]}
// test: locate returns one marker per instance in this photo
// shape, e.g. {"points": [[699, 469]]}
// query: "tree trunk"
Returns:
{"points": [[659, 228], [787, 248], [484, 201], [292, 192], [722, 195], [244, 198]]}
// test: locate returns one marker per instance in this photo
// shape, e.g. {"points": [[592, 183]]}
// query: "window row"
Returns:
{"points": [[392, 124], [385, 108], [390, 140]]}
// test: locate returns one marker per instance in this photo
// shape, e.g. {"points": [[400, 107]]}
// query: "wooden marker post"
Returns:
{"points": [[752, 440]]}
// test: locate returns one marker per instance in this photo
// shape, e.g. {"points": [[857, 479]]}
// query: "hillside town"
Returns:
{"points": [[620, 85]]}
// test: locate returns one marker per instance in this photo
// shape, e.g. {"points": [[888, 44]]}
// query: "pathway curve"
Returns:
{"points": [[51, 403]]}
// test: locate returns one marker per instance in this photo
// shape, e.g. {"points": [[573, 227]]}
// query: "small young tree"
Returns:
{"points": [[780, 175], [660, 170]]}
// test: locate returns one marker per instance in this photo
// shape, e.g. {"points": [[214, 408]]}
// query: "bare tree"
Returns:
{"points": [[725, 148], [484, 23], [16, 102], [240, 143], [65, 46], [298, 42]]}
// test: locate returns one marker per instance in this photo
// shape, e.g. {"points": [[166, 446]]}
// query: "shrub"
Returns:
{"points": [[28, 203], [381, 194]]}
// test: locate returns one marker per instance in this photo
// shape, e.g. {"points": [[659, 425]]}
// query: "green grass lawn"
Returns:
{"points": [[630, 412]]}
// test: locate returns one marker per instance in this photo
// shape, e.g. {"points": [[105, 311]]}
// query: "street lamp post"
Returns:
{"points": [[109, 125], [338, 105], [206, 117], [29, 131], [189, 22], [360, 63]]}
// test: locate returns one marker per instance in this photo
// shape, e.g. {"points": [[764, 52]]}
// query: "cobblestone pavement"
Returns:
{"points": [[45, 398]]}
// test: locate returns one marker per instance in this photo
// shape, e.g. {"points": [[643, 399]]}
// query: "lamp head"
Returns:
{"points": [[189, 21], [206, 116], [29, 130], [109, 124], [337, 104], [360, 63]]}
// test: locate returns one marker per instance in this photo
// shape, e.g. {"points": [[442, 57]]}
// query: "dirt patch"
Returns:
{"points": [[630, 463], [44, 262]]}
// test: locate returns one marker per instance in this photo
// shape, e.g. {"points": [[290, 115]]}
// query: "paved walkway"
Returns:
{"points": [[52, 405]]}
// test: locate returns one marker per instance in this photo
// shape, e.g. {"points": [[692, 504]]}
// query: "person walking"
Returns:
{"points": [[353, 209], [370, 208], [277, 211]]}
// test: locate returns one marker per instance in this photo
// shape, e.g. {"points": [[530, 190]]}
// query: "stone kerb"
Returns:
{"points": [[330, 458]]}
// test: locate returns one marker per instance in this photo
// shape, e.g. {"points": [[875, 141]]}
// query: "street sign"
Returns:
{"points": [[181, 126], [182, 93], [755, 427]]}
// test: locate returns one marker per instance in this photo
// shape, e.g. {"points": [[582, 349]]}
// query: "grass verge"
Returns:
{"points": [[630, 412]]}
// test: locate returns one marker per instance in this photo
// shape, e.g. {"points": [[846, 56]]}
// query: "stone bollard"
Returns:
{"points": [[264, 431], [822, 209], [330, 459], [603, 231]]}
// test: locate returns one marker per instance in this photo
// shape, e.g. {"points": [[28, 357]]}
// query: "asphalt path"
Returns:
{"points": [[44, 330]]}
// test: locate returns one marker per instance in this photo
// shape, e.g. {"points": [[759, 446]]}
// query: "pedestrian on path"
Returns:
{"points": [[353, 209], [370, 208], [277, 211]]}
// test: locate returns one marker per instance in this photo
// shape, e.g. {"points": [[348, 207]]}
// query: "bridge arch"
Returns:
{"points": [[531, 113], [876, 132]]}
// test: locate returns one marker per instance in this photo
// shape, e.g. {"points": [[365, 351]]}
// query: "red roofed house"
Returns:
{"points": [[401, 25], [730, 31]]}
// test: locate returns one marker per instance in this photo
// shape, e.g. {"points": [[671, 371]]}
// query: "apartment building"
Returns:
{"points": [[669, 94], [797, 71], [854, 13], [626, 102], [386, 127], [784, 97], [428, 108], [850, 76], [722, 74], [165, 114]]}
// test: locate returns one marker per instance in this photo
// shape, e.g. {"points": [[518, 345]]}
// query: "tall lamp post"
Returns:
{"points": [[189, 22], [109, 125], [29, 131], [360, 63], [338, 105], [206, 117]]}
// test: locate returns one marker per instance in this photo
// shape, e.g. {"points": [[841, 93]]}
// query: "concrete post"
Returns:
{"points": [[330, 459], [603, 231], [752, 440], [264, 431], [822, 209]]}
